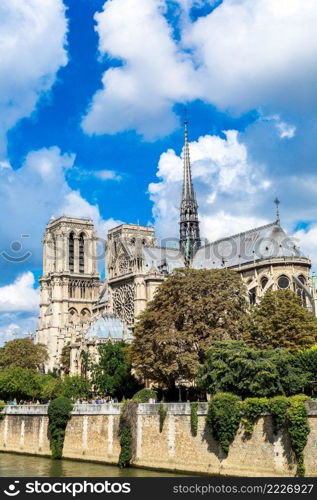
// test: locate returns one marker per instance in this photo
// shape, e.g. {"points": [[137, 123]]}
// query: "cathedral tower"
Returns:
{"points": [[189, 223], [70, 283]]}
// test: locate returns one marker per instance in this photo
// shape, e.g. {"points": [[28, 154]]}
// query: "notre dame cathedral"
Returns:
{"points": [[79, 310]]}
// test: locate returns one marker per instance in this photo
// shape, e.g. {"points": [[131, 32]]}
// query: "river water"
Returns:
{"points": [[12, 465]]}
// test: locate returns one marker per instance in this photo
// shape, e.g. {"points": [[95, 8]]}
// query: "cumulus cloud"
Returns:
{"points": [[108, 175], [29, 196], [16, 325], [268, 61], [154, 75], [306, 239], [33, 38], [228, 185], [234, 193], [20, 295]]}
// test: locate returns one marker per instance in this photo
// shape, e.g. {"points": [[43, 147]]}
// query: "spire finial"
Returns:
{"points": [[277, 203]]}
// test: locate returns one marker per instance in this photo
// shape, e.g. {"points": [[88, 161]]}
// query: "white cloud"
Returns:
{"points": [[108, 175], [29, 196], [268, 59], [76, 206], [228, 186], [139, 94], [285, 130], [16, 325], [20, 295], [33, 37], [234, 193], [267, 62], [307, 240]]}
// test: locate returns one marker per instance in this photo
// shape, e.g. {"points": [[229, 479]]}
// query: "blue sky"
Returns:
{"points": [[92, 97]]}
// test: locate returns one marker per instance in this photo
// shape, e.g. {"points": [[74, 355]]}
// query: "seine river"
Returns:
{"points": [[28, 466]]}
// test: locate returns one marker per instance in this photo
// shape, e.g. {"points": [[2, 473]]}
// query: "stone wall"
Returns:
{"points": [[92, 434]]}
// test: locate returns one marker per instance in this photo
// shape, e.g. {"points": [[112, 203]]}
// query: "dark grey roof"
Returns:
{"points": [[264, 242], [162, 258]]}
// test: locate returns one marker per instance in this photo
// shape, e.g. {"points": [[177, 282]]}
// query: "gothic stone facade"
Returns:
{"points": [[70, 285], [74, 300]]}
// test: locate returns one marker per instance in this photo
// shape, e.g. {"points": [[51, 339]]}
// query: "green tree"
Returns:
{"points": [[236, 368], [112, 374], [75, 387], [307, 362], [50, 387], [191, 310], [22, 353], [280, 320], [19, 384]]}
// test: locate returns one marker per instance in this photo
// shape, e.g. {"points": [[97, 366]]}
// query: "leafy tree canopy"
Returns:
{"points": [[307, 362], [191, 310], [236, 368], [280, 320], [22, 353], [50, 387], [112, 374], [20, 384], [75, 387]]}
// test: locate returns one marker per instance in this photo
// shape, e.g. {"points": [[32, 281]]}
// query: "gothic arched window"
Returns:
{"points": [[71, 252], [81, 254], [73, 315]]}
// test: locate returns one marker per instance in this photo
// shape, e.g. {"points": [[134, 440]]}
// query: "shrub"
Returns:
{"points": [[59, 412], [144, 395], [193, 418], [162, 413], [223, 418], [236, 368]]}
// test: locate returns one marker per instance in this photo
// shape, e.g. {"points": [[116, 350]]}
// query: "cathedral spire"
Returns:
{"points": [[189, 223], [277, 203], [188, 190]]}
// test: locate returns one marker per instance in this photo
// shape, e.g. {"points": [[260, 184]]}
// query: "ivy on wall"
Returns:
{"points": [[226, 411], [252, 409], [223, 418], [2, 405], [127, 432], [59, 413], [193, 418], [298, 429], [162, 414], [125, 438]]}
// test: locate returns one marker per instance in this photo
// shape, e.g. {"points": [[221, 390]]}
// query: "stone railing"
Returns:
{"points": [[114, 409], [25, 410]]}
